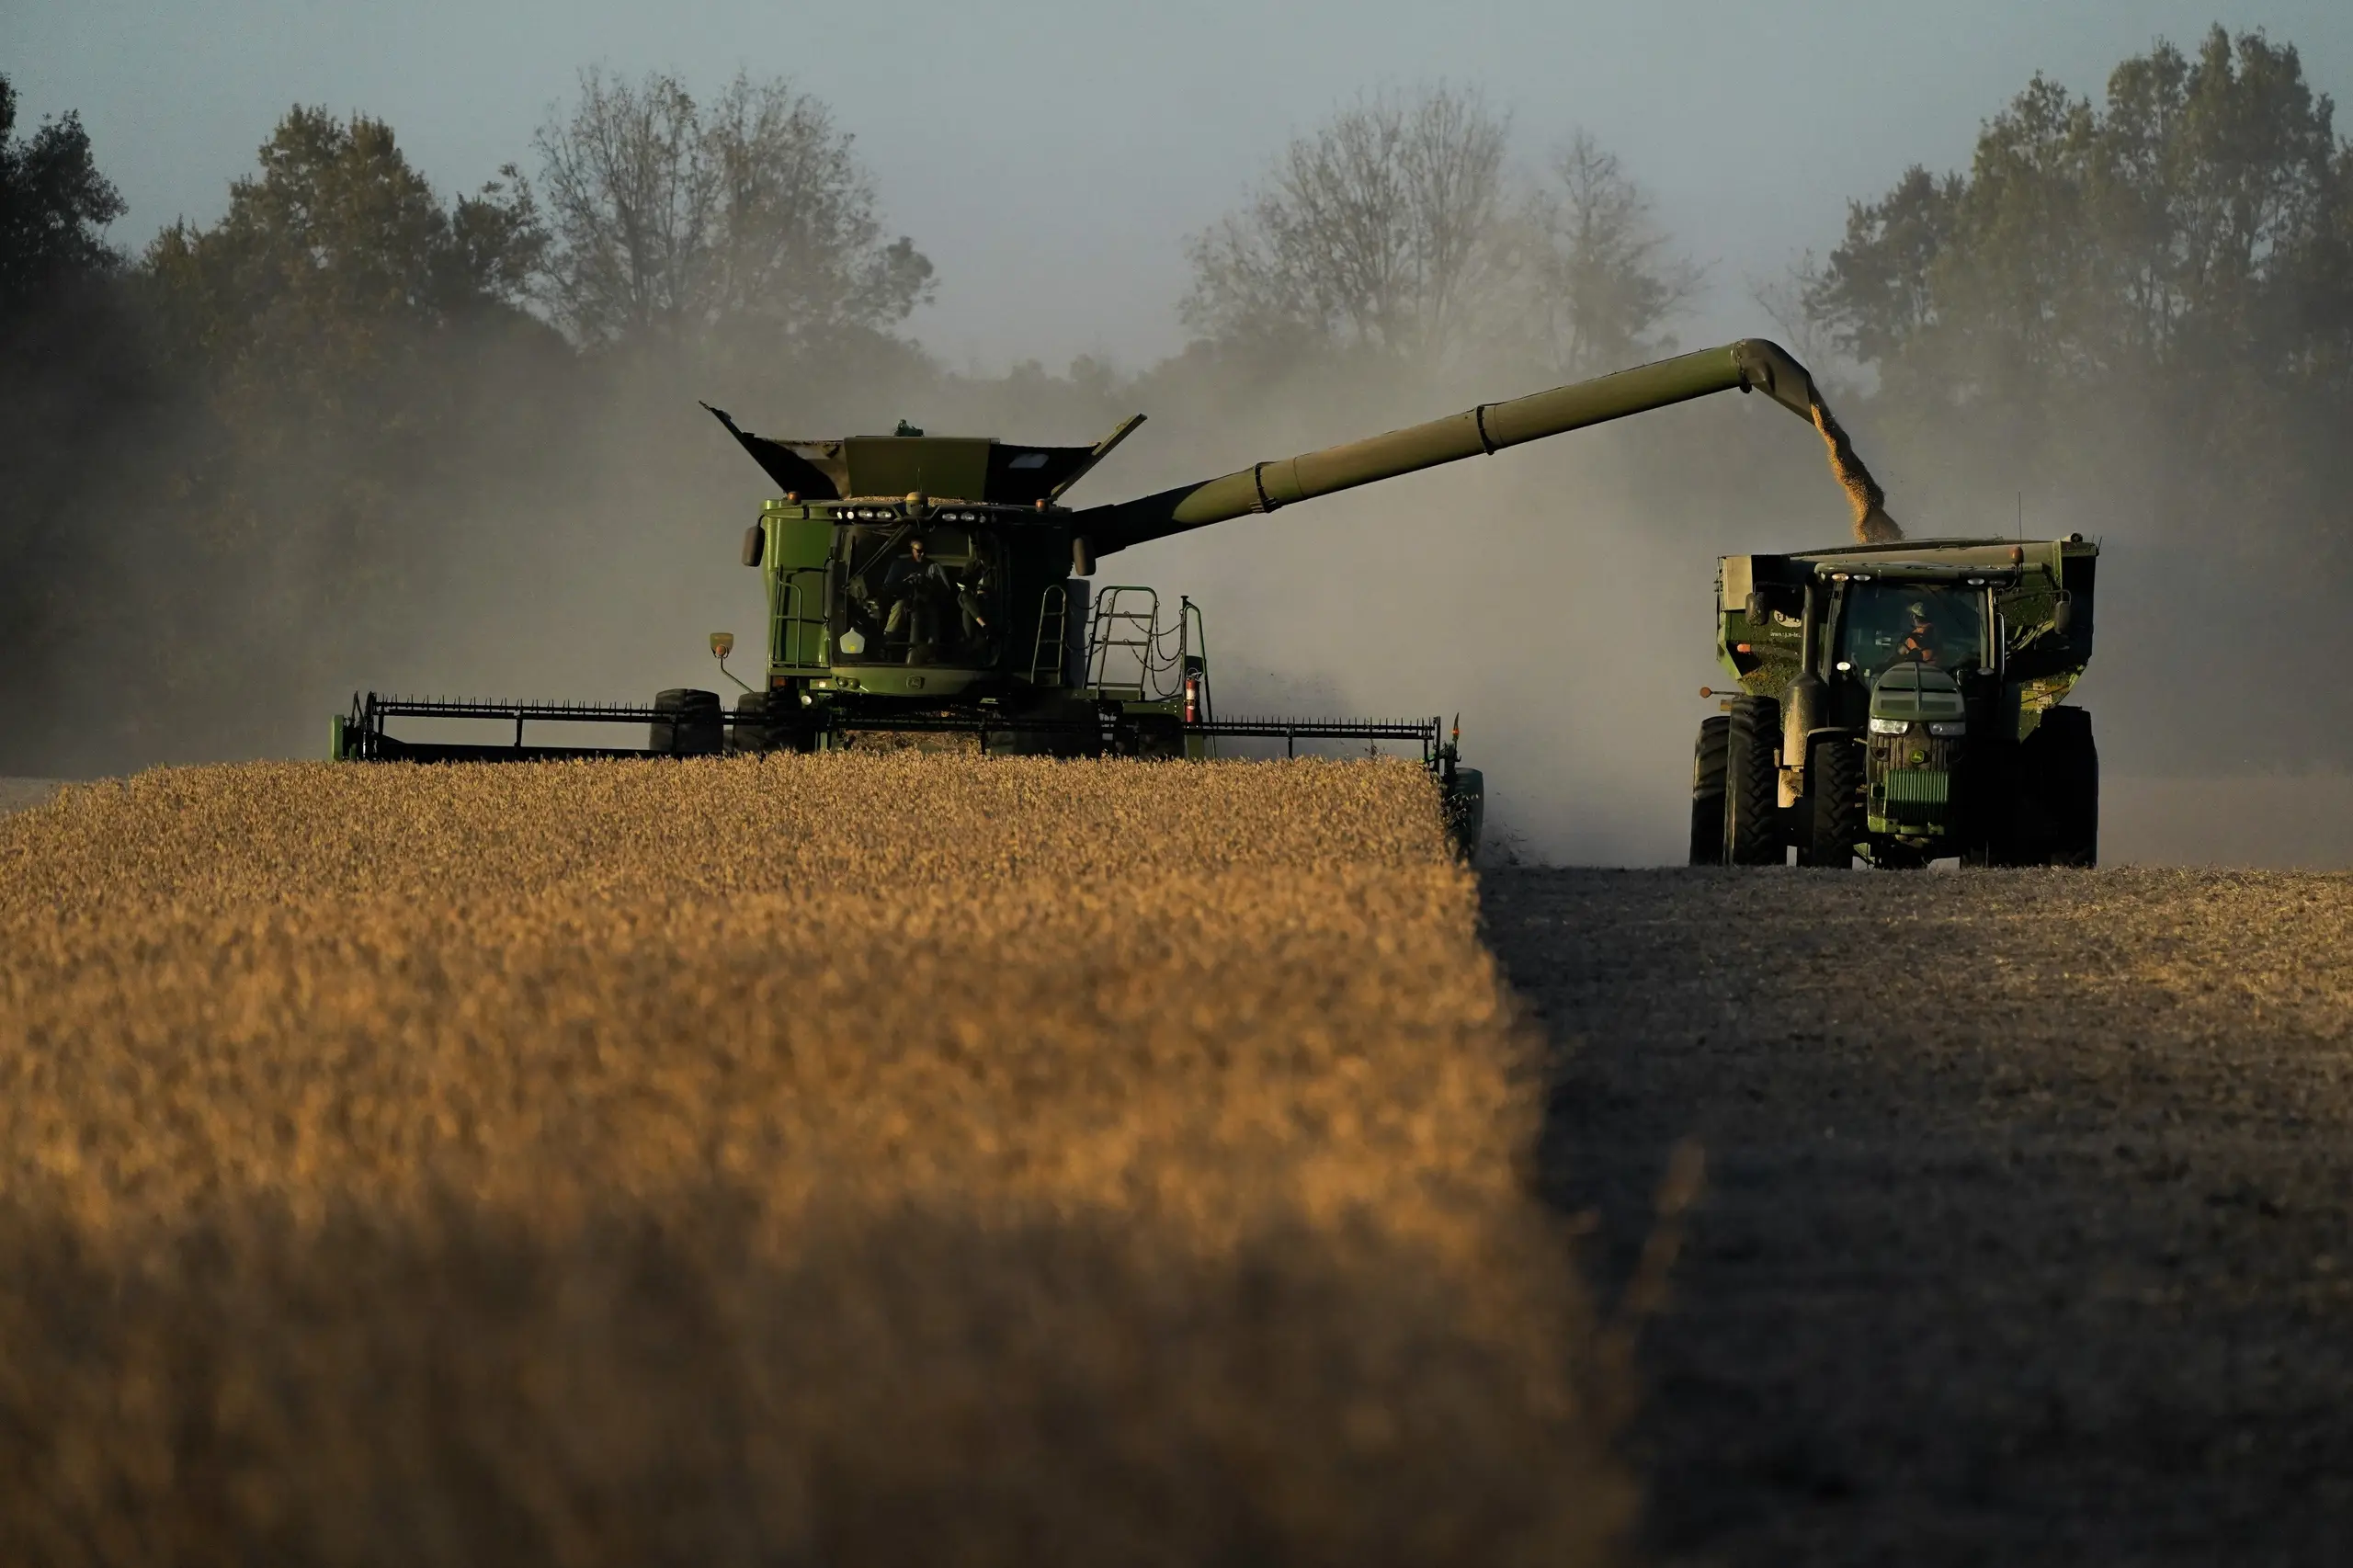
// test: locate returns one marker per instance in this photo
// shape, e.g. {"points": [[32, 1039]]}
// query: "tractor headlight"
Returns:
{"points": [[1890, 726], [1948, 729]]}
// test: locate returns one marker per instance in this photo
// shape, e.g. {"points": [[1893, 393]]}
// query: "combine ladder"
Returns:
{"points": [[1048, 659]]}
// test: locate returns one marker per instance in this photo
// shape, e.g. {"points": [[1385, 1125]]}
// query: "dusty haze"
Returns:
{"points": [[575, 536], [1557, 597]]}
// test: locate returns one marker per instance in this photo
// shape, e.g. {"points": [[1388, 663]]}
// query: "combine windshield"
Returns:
{"points": [[1889, 623], [917, 595]]}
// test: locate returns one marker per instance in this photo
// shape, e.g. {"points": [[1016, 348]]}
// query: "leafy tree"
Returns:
{"points": [[338, 259], [74, 392], [2137, 311], [343, 331], [54, 206], [750, 219], [2184, 221]]}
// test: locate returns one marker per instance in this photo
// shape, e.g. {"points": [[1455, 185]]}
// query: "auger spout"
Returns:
{"points": [[1750, 365]]}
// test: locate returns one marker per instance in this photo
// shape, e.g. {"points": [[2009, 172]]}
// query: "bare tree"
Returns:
{"points": [[1385, 228], [1603, 281], [1782, 297], [677, 223]]}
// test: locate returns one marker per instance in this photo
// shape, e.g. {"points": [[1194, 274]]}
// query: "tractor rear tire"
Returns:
{"points": [[1708, 792], [1753, 784], [688, 723], [1834, 784], [2066, 768]]}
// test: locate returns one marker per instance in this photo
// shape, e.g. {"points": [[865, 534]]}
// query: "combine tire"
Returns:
{"points": [[768, 721], [1834, 783], [1153, 736], [2066, 768], [690, 723], [1463, 805], [1708, 792], [1753, 784], [751, 731]]}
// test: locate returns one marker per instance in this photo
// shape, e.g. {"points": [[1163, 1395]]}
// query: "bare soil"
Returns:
{"points": [[2027, 1231]]}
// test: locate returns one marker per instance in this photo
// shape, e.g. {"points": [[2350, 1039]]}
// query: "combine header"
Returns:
{"points": [[921, 586]]}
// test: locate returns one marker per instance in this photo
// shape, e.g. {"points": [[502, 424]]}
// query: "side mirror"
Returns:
{"points": [[1759, 612], [1082, 556], [2063, 614], [722, 644], [754, 539]]}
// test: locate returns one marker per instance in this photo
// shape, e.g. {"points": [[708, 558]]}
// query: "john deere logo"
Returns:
{"points": [[914, 683], [1918, 757]]}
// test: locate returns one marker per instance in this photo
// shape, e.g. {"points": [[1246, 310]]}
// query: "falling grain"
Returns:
{"points": [[1869, 501]]}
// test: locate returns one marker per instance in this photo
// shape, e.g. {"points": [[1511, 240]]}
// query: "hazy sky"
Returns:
{"points": [[1051, 155]]}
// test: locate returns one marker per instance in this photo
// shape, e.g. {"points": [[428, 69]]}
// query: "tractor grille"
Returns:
{"points": [[1911, 789]]}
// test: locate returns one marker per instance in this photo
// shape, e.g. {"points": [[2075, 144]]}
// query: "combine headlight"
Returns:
{"points": [[1947, 730], [1890, 726]]}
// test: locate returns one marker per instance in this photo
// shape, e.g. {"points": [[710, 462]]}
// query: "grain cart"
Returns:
{"points": [[923, 585], [1902, 702]]}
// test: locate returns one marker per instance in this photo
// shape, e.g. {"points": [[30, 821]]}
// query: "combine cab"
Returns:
{"points": [[1902, 702]]}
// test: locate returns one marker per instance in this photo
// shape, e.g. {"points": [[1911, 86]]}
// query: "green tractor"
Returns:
{"points": [[1902, 702], [925, 586]]}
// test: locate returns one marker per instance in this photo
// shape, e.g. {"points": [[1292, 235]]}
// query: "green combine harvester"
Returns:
{"points": [[923, 586]]}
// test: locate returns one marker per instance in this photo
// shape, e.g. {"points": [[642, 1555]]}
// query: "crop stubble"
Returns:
{"points": [[890, 1158]]}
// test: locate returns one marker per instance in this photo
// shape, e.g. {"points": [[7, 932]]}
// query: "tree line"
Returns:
{"points": [[275, 439]]}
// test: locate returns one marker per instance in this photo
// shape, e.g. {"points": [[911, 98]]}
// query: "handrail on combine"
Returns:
{"points": [[1049, 654], [800, 636], [1133, 633]]}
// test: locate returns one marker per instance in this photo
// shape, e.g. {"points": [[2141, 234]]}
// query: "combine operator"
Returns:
{"points": [[918, 589]]}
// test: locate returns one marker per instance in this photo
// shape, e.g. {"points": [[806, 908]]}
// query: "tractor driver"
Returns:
{"points": [[1921, 644]]}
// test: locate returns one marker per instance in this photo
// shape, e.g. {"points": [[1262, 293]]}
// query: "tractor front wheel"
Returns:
{"points": [[1708, 792], [1753, 784], [1834, 784]]}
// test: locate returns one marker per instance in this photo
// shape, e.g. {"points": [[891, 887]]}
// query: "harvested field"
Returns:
{"points": [[892, 1159], [2028, 1230]]}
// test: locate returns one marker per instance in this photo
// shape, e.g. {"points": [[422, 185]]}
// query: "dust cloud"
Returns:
{"points": [[576, 538], [1556, 597]]}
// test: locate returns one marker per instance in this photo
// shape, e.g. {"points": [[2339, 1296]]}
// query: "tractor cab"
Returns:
{"points": [[1887, 621]]}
